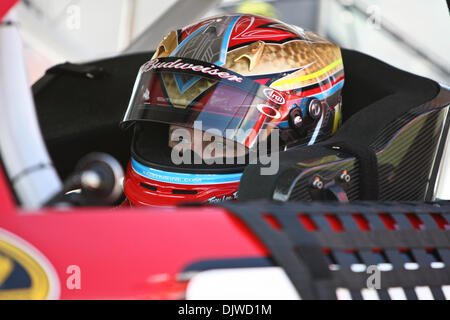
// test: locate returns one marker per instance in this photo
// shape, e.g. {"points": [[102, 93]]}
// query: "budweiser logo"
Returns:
{"points": [[181, 65]]}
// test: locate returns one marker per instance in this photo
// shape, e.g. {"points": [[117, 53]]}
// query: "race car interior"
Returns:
{"points": [[383, 106], [357, 208]]}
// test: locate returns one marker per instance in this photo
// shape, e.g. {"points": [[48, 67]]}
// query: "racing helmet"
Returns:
{"points": [[214, 92]]}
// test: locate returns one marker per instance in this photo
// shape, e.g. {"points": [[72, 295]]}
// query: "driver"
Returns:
{"points": [[218, 94]]}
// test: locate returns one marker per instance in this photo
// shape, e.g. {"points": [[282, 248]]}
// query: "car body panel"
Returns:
{"points": [[125, 253]]}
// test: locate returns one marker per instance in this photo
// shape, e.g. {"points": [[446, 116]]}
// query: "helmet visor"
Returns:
{"points": [[198, 95]]}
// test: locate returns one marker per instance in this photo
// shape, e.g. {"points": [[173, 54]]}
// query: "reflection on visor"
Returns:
{"points": [[181, 92]]}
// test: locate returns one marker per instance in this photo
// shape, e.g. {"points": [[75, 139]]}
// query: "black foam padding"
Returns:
{"points": [[79, 114], [375, 93]]}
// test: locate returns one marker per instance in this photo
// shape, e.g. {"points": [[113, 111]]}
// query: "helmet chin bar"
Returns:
{"points": [[22, 149]]}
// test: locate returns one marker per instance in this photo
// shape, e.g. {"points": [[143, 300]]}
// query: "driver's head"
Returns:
{"points": [[215, 92]]}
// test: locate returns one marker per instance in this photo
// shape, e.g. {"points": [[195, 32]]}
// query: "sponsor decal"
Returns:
{"points": [[274, 96], [25, 274], [179, 64], [269, 111]]}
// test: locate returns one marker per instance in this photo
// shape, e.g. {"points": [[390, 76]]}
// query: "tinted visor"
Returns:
{"points": [[191, 93]]}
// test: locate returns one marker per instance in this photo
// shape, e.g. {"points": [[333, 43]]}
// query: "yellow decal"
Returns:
{"points": [[337, 118], [308, 76], [6, 266]]}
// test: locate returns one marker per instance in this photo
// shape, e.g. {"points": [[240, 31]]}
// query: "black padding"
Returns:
{"points": [[374, 95], [80, 107], [381, 91], [81, 70]]}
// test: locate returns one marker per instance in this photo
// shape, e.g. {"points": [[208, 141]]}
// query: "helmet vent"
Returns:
{"points": [[149, 187], [175, 191], [212, 30]]}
